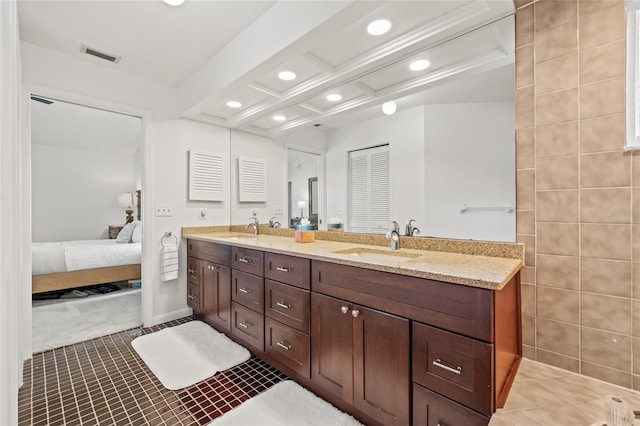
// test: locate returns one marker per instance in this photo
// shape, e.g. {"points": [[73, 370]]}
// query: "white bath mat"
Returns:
{"points": [[188, 353], [285, 404]]}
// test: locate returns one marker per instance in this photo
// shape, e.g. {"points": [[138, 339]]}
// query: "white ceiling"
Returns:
{"points": [[215, 51]]}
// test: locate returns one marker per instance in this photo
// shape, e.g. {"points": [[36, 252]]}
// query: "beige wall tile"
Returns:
{"points": [[524, 26], [635, 161], [601, 98], [605, 205], [526, 222], [606, 348], [524, 66], [557, 206], [557, 360], [586, 7], [635, 279], [636, 318], [605, 312], [620, 378], [605, 133], [528, 330], [635, 244], [529, 352], [556, 42], [610, 277], [603, 26], [635, 205], [529, 242], [605, 241], [603, 62], [557, 304], [551, 13], [559, 107], [558, 337], [525, 103], [528, 299], [525, 149], [528, 274], [525, 190], [605, 170], [557, 140], [557, 74], [557, 173], [558, 238], [520, 3], [558, 271], [636, 358]]}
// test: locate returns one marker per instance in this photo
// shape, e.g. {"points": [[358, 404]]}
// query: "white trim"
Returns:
{"points": [[147, 164], [633, 82], [321, 184], [170, 316]]}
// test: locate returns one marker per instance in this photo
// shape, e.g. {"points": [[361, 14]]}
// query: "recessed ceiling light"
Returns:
{"points": [[279, 117], [334, 97], [287, 75], [234, 104], [419, 65], [379, 27], [173, 2], [389, 107]]}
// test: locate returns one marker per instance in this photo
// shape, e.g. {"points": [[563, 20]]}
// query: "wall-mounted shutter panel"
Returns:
{"points": [[252, 180], [369, 190], [207, 175]]}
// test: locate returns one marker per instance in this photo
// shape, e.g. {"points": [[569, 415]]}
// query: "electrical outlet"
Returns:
{"points": [[164, 210], [278, 211], [203, 214]]}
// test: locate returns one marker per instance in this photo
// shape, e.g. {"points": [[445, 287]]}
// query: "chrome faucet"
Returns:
{"points": [[394, 235], [255, 225], [273, 223], [411, 230]]}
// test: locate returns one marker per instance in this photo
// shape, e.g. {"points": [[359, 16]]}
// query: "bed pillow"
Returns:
{"points": [[136, 237], [124, 236]]}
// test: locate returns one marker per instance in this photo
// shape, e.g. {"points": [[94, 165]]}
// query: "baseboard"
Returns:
{"points": [[170, 316]]}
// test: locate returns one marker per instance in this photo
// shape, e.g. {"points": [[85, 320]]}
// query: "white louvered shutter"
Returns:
{"points": [[369, 190], [252, 179], [207, 175]]}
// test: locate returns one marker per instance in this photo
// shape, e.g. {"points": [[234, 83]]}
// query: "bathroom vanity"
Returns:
{"points": [[420, 337]]}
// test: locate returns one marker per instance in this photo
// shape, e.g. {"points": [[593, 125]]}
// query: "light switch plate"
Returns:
{"points": [[278, 211], [164, 210]]}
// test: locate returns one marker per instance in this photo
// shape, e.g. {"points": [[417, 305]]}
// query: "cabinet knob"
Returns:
{"points": [[344, 309], [191, 296], [191, 271], [212, 267], [355, 313]]}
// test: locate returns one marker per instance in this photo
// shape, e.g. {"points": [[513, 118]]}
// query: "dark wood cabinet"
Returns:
{"points": [[362, 355], [216, 294], [248, 326], [431, 409]]}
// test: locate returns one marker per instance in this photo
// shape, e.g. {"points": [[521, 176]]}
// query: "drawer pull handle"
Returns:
{"points": [[212, 267], [283, 304], [245, 324], [244, 260], [439, 363], [244, 290], [281, 269], [344, 309], [355, 313], [190, 296], [284, 345], [191, 271]]}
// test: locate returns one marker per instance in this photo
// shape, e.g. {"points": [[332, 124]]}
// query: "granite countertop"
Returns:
{"points": [[489, 272]]}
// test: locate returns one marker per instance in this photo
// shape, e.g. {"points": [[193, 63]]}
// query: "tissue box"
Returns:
{"points": [[305, 234], [335, 227]]}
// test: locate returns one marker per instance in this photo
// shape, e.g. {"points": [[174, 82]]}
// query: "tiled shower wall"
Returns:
{"points": [[578, 192]]}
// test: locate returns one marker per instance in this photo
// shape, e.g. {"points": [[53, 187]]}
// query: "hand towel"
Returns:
{"points": [[169, 267]]}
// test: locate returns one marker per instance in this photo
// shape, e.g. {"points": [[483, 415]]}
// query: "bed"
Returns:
{"points": [[69, 264]]}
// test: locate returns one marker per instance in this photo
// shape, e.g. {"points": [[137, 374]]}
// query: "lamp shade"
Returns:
{"points": [[302, 204], [126, 199]]}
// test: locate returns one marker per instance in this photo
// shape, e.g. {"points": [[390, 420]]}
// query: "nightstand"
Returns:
{"points": [[114, 230]]}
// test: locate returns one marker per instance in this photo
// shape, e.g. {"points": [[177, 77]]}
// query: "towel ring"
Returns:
{"points": [[169, 235]]}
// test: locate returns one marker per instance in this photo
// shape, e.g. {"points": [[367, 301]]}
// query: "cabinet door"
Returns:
{"points": [[216, 294], [332, 345], [381, 365]]}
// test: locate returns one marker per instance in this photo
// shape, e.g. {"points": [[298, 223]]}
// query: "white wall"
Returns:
{"points": [[403, 132], [75, 192], [470, 159]]}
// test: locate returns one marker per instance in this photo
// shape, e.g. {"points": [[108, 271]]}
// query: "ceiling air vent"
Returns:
{"points": [[42, 100], [89, 51]]}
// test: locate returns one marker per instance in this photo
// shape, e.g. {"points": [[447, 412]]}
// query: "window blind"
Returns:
{"points": [[369, 190]]}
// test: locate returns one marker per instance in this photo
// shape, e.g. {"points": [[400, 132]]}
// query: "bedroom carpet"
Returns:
{"points": [[186, 354], [285, 404], [64, 322]]}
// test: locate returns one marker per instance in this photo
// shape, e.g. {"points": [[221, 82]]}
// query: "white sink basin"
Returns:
{"points": [[374, 253]]}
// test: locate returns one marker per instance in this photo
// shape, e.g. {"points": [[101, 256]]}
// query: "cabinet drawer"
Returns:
{"points": [[431, 409], [248, 290], [287, 304], [455, 366], [288, 269], [193, 296], [248, 326], [287, 345], [212, 252], [193, 272], [247, 260]]}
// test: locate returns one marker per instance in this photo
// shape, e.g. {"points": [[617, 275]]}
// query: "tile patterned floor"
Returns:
{"points": [[103, 381]]}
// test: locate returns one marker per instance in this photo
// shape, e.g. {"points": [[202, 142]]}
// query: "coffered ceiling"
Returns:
{"points": [[324, 43]]}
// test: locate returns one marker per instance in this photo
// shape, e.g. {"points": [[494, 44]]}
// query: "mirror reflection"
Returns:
{"points": [[302, 187]]}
